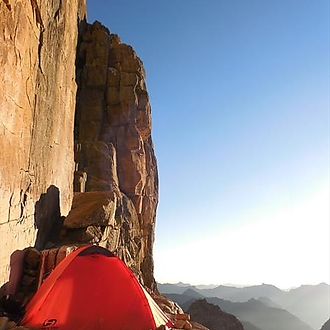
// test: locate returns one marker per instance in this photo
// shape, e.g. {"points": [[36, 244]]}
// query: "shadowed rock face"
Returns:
{"points": [[113, 147], [37, 105], [213, 317]]}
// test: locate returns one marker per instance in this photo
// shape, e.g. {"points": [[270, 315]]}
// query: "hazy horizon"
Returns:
{"points": [[242, 285]]}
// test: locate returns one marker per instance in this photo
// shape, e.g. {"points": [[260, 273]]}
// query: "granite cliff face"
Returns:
{"points": [[114, 154], [77, 162], [37, 107]]}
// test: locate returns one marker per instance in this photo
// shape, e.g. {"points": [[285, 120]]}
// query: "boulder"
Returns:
{"points": [[92, 208]]}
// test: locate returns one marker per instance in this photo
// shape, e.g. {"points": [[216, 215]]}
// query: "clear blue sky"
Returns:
{"points": [[239, 92]]}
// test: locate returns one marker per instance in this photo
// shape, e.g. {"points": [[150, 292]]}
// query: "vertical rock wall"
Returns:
{"points": [[113, 146], [37, 103], [56, 140]]}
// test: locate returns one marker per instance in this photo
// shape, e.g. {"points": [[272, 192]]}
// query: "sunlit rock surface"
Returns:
{"points": [[75, 126], [113, 147], [37, 106]]}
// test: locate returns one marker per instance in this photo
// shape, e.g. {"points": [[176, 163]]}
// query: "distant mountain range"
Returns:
{"points": [[261, 307]]}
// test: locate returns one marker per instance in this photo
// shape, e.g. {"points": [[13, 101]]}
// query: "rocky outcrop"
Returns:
{"points": [[60, 144], [212, 316], [37, 106], [116, 167]]}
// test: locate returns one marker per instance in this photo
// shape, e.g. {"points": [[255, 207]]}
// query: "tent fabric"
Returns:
{"points": [[92, 289]]}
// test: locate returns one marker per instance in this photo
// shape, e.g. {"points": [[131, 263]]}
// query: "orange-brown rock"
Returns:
{"points": [[182, 324], [183, 316], [92, 208], [113, 145], [50, 258], [91, 145], [37, 104]]}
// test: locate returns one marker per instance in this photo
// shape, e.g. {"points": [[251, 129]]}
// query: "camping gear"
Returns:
{"points": [[92, 289]]}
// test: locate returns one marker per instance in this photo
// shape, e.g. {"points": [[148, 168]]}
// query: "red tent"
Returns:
{"points": [[92, 289]]}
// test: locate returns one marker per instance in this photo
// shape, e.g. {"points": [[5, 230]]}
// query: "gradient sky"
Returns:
{"points": [[239, 91]]}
